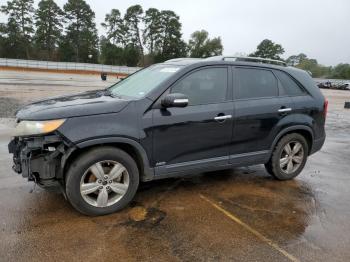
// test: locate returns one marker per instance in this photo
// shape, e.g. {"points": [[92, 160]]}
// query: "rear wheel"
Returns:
{"points": [[102, 181], [289, 157]]}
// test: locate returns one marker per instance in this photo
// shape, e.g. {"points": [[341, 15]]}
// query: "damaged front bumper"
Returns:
{"points": [[39, 158]]}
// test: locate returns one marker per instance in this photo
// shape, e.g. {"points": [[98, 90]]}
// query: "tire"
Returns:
{"points": [[80, 175], [279, 164]]}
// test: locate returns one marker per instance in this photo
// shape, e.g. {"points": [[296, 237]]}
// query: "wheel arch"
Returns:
{"points": [[304, 130], [133, 148]]}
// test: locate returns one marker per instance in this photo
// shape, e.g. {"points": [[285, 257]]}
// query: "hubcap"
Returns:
{"points": [[104, 183], [291, 157]]}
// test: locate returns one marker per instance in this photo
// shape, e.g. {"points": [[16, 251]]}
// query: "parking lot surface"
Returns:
{"points": [[234, 215]]}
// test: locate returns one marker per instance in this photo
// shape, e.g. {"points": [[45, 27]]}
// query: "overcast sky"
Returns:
{"points": [[318, 28]]}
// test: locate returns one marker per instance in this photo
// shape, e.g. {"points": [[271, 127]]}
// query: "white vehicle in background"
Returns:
{"points": [[347, 85], [334, 84]]}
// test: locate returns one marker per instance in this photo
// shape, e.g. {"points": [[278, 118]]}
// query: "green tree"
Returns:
{"points": [[123, 44], [19, 27], [133, 19], [341, 71], [200, 45], [170, 44], [81, 40], [116, 28], [268, 49], [111, 54], [152, 32], [2, 40], [307, 64], [296, 59], [13, 44], [131, 55], [311, 65], [49, 18]]}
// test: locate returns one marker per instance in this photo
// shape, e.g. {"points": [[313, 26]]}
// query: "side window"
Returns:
{"points": [[256, 83], [205, 86], [289, 87]]}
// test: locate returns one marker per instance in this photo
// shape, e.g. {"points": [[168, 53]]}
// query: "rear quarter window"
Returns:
{"points": [[288, 85]]}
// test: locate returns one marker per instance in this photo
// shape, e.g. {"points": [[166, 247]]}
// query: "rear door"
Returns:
{"points": [[306, 108], [259, 114], [304, 104]]}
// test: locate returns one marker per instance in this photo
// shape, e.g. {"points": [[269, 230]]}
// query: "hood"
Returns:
{"points": [[82, 104]]}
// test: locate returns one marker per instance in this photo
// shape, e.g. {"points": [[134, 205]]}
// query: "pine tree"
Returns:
{"points": [[81, 41], [133, 18], [116, 28], [171, 44], [19, 27], [49, 18], [152, 32]]}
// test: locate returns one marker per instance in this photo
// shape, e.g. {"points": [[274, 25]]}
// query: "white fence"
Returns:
{"points": [[35, 64]]}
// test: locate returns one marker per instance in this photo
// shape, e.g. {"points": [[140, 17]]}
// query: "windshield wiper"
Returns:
{"points": [[108, 92]]}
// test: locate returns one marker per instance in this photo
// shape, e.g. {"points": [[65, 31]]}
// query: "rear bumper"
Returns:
{"points": [[317, 145]]}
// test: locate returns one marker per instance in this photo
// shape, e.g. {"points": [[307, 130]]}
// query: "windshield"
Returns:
{"points": [[142, 82]]}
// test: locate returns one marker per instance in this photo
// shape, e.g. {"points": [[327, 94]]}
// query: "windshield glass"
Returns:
{"points": [[143, 81]]}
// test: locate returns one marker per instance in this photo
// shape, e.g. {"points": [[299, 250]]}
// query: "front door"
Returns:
{"points": [[196, 136]]}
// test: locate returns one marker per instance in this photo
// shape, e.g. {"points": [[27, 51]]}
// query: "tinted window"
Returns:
{"points": [[289, 87], [205, 86], [254, 83]]}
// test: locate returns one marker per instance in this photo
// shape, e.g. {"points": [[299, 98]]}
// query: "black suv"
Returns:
{"points": [[176, 118]]}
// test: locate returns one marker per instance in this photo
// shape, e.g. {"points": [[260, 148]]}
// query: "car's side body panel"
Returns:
{"points": [[122, 124], [257, 121], [191, 133]]}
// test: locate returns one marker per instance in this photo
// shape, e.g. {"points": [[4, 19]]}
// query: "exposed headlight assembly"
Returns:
{"points": [[27, 128]]}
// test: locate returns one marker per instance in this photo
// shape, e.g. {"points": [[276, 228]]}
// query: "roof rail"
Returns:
{"points": [[182, 59], [248, 59]]}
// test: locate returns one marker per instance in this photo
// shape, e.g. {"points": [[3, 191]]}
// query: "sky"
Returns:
{"points": [[318, 28]]}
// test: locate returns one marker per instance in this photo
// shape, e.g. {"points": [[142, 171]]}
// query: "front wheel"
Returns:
{"points": [[289, 157], [102, 181]]}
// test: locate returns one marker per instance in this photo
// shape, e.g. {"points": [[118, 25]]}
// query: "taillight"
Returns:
{"points": [[325, 108]]}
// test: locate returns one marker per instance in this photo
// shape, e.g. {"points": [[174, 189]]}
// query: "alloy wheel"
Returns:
{"points": [[104, 183], [292, 156]]}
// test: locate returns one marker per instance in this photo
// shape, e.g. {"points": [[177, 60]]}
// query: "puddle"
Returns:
{"points": [[138, 214], [145, 217]]}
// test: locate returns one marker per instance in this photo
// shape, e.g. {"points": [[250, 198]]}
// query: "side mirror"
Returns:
{"points": [[175, 100]]}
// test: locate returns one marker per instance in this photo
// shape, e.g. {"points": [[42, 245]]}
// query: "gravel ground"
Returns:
{"points": [[19, 88], [8, 106]]}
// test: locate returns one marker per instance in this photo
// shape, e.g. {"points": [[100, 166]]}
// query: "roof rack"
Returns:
{"points": [[248, 59], [182, 59]]}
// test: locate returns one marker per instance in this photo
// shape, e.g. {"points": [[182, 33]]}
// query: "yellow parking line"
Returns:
{"points": [[251, 230]]}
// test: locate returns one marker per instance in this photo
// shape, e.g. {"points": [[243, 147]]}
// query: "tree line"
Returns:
{"points": [[137, 37], [271, 50]]}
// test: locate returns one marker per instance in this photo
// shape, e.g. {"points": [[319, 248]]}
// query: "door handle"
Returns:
{"points": [[284, 110], [222, 118]]}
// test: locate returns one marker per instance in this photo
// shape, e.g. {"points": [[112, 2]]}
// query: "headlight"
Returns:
{"points": [[27, 128]]}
